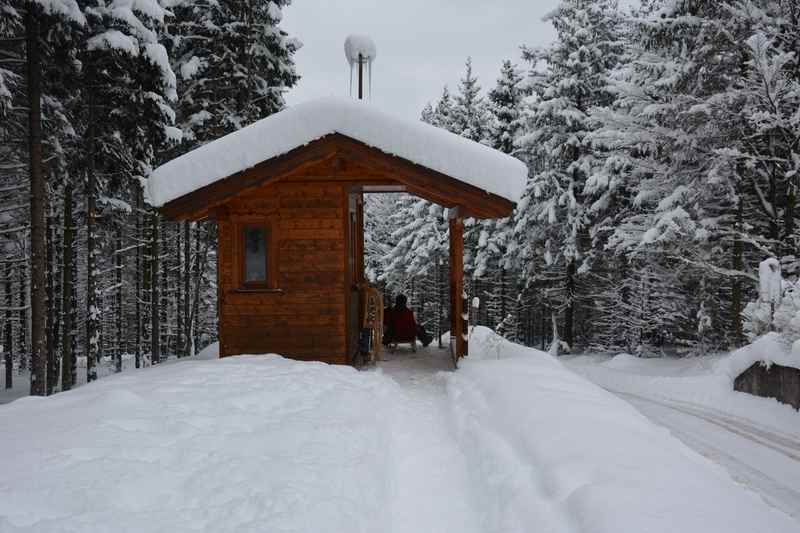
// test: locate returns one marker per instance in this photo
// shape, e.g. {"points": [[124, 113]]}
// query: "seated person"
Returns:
{"points": [[400, 324]]}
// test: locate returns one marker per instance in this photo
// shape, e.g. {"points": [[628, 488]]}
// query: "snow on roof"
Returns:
{"points": [[359, 44], [420, 143], [768, 350]]}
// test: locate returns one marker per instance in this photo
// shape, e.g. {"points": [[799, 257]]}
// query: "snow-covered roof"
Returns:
{"points": [[420, 143], [768, 349]]}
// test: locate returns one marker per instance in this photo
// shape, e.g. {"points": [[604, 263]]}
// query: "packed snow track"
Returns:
{"points": [[511, 442], [766, 461], [756, 440]]}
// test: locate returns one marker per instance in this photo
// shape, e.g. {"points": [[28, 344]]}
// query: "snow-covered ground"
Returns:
{"points": [[512, 441], [757, 440], [21, 384]]}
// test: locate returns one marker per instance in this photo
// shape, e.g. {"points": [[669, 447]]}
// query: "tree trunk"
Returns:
{"points": [[52, 306], [68, 301], [569, 314], [92, 304], [187, 283], [118, 297], [155, 340], [180, 295], [137, 296], [737, 264], [544, 327], [788, 218], [163, 302], [555, 344], [8, 337], [38, 199], [22, 304], [199, 263], [55, 272], [503, 309], [440, 300], [773, 193]]}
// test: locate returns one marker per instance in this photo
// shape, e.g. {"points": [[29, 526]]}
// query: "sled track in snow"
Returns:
{"points": [[783, 444], [778, 491]]}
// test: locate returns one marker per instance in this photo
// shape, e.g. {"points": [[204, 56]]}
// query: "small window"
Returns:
{"points": [[255, 260]]}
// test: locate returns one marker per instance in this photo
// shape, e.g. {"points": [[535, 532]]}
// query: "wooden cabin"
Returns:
{"points": [[287, 195]]}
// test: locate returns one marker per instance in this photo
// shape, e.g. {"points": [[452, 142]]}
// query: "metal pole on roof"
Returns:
{"points": [[360, 49], [360, 77]]}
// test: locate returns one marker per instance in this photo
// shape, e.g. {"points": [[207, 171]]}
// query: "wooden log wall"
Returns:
{"points": [[303, 314], [779, 382]]}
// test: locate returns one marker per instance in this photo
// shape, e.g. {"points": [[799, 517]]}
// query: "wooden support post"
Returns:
{"points": [[458, 344]]}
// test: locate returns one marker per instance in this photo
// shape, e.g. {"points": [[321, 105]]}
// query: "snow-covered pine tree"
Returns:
{"points": [[234, 64], [671, 186], [500, 294], [420, 240], [127, 87], [469, 117], [442, 116], [378, 209], [427, 114], [32, 120], [505, 101], [13, 188], [553, 215], [771, 88]]}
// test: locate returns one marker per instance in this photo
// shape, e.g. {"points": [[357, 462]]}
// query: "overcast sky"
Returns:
{"points": [[422, 44]]}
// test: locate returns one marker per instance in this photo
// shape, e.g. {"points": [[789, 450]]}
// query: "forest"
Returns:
{"points": [[663, 142], [663, 148]]}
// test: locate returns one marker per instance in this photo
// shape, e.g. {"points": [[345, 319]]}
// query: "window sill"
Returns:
{"points": [[258, 290]]}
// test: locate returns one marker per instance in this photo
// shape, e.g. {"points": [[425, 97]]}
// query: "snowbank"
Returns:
{"points": [[233, 445], [561, 454], [622, 361], [299, 125]]}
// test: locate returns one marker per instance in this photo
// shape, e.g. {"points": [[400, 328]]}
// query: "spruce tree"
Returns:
{"points": [[442, 116], [234, 65], [505, 101], [553, 215], [490, 262], [672, 188], [469, 114]]}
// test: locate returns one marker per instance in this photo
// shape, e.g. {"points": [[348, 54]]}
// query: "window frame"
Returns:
{"points": [[268, 283]]}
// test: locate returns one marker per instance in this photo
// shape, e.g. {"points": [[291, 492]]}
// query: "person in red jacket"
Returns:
{"points": [[404, 325], [400, 324]]}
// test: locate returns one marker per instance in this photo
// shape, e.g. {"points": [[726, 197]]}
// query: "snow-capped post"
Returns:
{"points": [[770, 286], [360, 50], [476, 305]]}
